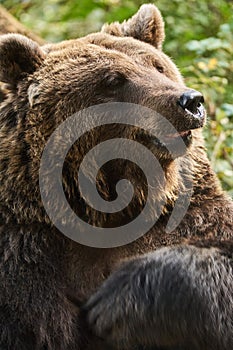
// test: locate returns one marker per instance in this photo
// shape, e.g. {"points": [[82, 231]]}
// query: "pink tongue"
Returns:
{"points": [[184, 133], [178, 134]]}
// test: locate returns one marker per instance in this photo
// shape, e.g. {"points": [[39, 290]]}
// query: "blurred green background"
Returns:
{"points": [[199, 37]]}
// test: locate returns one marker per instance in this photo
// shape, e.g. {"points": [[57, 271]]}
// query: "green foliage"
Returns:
{"points": [[212, 72], [199, 39]]}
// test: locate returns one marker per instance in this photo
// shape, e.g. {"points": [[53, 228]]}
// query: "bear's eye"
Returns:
{"points": [[115, 80], [160, 69]]}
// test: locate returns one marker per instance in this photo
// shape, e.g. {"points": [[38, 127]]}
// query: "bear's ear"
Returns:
{"points": [[18, 56], [146, 25]]}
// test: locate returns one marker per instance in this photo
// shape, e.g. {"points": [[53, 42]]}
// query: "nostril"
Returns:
{"points": [[191, 100]]}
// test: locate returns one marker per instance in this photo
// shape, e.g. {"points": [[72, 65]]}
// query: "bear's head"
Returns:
{"points": [[123, 63]]}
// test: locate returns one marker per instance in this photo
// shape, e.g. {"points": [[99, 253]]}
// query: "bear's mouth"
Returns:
{"points": [[184, 135], [174, 139], [172, 142], [169, 145]]}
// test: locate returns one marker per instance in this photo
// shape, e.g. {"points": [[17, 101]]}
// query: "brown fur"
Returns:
{"points": [[46, 276]]}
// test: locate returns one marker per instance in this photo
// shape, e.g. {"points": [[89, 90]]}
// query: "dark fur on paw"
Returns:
{"points": [[169, 299]]}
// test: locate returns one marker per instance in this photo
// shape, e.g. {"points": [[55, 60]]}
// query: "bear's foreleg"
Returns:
{"points": [[177, 297]]}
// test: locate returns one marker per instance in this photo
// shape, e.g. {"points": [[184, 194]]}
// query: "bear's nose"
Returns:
{"points": [[191, 100]]}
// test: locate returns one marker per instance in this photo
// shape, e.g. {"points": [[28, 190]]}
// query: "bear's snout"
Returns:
{"points": [[191, 101]]}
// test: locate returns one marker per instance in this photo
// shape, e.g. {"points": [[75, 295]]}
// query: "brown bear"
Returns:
{"points": [[174, 290]]}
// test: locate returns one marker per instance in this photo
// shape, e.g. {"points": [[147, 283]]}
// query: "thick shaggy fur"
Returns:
{"points": [[175, 290]]}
